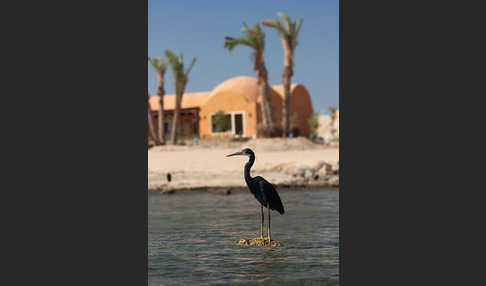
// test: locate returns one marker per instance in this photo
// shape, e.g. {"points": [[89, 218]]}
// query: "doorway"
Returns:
{"points": [[239, 124]]}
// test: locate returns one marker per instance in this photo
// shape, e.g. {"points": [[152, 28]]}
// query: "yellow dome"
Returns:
{"points": [[242, 85]]}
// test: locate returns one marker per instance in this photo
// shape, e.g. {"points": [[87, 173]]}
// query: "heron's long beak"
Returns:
{"points": [[234, 154]]}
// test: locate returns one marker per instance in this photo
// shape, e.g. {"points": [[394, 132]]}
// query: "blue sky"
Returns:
{"points": [[197, 29]]}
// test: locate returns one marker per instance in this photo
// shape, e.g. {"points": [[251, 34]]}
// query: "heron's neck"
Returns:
{"points": [[248, 167]]}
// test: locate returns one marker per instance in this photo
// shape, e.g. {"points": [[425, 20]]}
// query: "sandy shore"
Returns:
{"points": [[209, 168]]}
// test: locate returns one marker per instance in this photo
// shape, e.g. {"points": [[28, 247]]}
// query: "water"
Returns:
{"points": [[191, 234]]}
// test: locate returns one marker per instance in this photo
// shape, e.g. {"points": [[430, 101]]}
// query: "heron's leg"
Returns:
{"points": [[261, 227], [269, 240]]}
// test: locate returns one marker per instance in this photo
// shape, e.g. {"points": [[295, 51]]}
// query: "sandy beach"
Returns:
{"points": [[278, 160]]}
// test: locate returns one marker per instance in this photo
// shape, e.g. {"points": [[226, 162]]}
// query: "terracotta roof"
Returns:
{"points": [[189, 100], [247, 87], [280, 89], [243, 85]]}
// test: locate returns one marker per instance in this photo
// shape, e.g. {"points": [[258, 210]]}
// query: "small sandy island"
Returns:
{"points": [[288, 162], [258, 242]]}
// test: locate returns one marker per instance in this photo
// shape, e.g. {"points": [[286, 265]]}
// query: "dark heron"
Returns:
{"points": [[264, 192]]}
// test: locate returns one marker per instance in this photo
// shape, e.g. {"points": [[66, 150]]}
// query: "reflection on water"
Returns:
{"points": [[191, 234]]}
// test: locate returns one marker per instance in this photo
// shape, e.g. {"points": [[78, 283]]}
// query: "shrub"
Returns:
{"points": [[269, 132], [220, 122], [313, 125], [294, 121]]}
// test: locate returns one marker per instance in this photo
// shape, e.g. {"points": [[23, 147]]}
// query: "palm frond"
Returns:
{"points": [[289, 32], [297, 28], [190, 66], [245, 28], [177, 66], [157, 63], [286, 18], [230, 43], [276, 25], [175, 63]]}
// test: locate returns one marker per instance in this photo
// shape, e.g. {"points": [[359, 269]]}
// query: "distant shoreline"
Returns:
{"points": [[169, 189], [286, 163]]}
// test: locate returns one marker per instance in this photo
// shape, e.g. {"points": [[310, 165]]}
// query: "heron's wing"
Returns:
{"points": [[270, 195], [261, 184]]}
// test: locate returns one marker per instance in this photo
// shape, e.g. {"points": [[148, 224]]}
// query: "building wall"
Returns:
{"points": [[276, 102], [186, 124], [227, 101], [324, 129], [238, 95], [300, 104]]}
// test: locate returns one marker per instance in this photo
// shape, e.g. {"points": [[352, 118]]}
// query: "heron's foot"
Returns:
{"points": [[258, 242], [260, 238], [267, 239]]}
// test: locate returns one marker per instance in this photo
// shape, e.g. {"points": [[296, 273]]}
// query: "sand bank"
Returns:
{"points": [[199, 168]]}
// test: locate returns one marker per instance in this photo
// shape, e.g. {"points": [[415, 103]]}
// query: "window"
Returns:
{"points": [[221, 122]]}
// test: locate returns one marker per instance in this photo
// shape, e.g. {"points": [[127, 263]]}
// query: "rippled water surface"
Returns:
{"points": [[191, 234]]}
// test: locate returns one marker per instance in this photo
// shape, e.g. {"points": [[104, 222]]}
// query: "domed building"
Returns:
{"points": [[238, 99]]}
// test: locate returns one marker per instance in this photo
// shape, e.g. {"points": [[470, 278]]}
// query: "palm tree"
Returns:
{"points": [[255, 39], [288, 33], [159, 65], [180, 78], [333, 111], [151, 124]]}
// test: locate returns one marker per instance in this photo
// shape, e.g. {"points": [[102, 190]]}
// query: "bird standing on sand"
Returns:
{"points": [[264, 192]]}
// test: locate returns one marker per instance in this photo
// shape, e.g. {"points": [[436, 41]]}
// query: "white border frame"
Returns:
{"points": [[232, 114]]}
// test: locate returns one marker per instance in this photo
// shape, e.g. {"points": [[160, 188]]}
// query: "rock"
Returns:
{"points": [[324, 178], [325, 170], [319, 165], [224, 192], [168, 191], [334, 180], [281, 167], [335, 169], [308, 174], [295, 170], [257, 242], [299, 171]]}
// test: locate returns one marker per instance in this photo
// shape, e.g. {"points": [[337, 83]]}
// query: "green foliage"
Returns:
{"points": [[333, 110], [176, 64], [288, 31], [269, 132], [219, 121], [314, 125], [294, 120], [253, 37], [157, 63]]}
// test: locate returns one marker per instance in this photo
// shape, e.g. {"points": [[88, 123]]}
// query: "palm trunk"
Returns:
{"points": [[333, 130], [160, 93], [153, 133], [161, 121], [287, 74], [175, 122], [286, 104], [266, 107], [263, 106]]}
